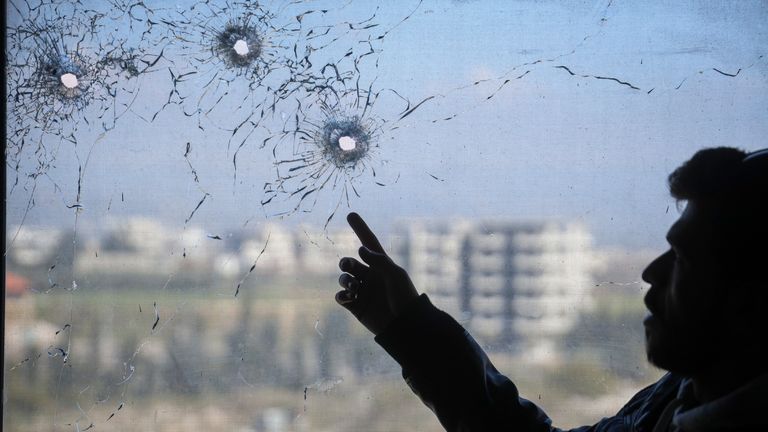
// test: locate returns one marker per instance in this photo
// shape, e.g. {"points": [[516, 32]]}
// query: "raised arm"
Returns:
{"points": [[441, 362]]}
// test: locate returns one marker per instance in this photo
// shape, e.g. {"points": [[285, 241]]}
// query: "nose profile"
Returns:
{"points": [[659, 269], [657, 275]]}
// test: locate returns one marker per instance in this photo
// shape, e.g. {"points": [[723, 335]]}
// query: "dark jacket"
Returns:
{"points": [[452, 375]]}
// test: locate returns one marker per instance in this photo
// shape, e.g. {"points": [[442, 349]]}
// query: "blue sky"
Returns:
{"points": [[548, 145]]}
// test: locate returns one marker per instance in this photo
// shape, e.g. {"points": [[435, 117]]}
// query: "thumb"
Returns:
{"points": [[375, 259]]}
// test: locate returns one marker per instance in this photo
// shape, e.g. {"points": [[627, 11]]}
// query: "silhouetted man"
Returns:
{"points": [[708, 321]]}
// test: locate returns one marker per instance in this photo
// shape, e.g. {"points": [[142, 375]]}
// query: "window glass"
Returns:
{"points": [[178, 175]]}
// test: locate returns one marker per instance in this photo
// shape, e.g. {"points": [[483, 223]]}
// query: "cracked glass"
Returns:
{"points": [[177, 175]]}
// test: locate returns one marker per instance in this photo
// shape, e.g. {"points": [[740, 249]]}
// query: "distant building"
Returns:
{"points": [[274, 246], [320, 251], [142, 246], [34, 246], [513, 283], [283, 250], [140, 235]]}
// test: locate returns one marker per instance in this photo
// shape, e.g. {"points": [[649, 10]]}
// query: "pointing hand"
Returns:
{"points": [[375, 293]]}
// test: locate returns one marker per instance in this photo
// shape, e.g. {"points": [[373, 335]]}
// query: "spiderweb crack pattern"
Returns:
{"points": [[65, 71], [335, 143], [278, 74], [250, 63], [76, 69]]}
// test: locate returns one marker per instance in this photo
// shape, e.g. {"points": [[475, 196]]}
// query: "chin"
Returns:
{"points": [[657, 360], [675, 357], [653, 355], [654, 347], [664, 353], [683, 351]]}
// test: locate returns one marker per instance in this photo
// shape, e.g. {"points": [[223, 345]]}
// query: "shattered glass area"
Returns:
{"points": [[335, 142], [249, 61], [67, 71], [178, 175]]}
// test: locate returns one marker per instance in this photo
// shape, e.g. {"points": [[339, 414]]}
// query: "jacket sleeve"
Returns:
{"points": [[452, 375]]}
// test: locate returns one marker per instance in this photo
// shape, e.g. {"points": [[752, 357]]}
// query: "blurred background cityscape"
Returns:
{"points": [[137, 316], [172, 245]]}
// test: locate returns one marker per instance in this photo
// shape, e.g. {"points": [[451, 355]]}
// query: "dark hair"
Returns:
{"points": [[733, 186]]}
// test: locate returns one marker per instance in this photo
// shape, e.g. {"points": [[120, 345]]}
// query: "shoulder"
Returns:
{"points": [[644, 409]]}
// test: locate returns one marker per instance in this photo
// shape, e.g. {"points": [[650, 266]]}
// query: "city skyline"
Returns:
{"points": [[172, 327]]}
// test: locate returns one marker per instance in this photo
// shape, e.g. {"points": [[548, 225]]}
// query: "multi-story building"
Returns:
{"points": [[520, 284], [34, 246]]}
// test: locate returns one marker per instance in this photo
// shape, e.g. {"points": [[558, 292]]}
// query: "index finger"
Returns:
{"points": [[366, 236]]}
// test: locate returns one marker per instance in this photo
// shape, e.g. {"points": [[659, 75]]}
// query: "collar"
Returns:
{"points": [[744, 407]]}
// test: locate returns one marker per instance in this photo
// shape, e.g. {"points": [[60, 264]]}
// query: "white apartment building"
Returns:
{"points": [[33, 246], [522, 284]]}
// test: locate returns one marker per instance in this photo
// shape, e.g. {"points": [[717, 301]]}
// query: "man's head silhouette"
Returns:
{"points": [[709, 292]]}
